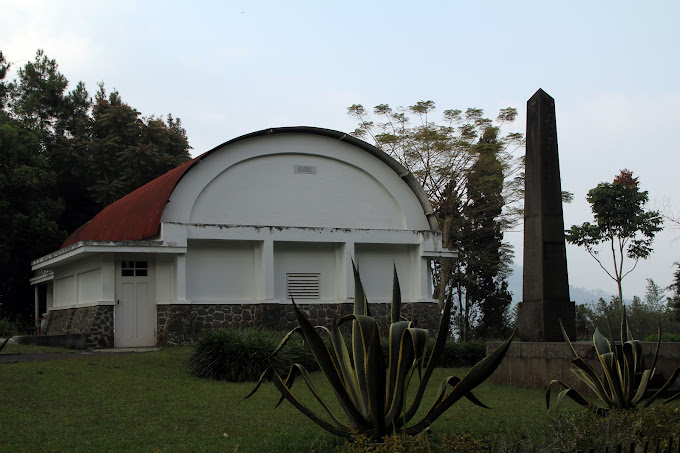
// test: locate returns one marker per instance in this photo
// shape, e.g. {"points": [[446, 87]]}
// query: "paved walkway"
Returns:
{"points": [[17, 358]]}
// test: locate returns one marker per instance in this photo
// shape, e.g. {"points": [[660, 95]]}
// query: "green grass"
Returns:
{"points": [[148, 401]]}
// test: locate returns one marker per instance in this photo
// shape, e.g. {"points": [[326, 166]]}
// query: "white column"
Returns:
{"points": [[181, 279], [349, 273], [108, 278], [37, 306], [268, 269]]}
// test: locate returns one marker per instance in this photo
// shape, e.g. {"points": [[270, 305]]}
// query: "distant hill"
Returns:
{"points": [[578, 295]]}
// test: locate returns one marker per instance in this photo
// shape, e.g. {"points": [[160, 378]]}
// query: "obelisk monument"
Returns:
{"points": [[545, 298]]}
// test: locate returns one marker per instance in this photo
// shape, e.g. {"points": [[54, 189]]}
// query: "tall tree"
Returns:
{"points": [[4, 88], [28, 212], [621, 223], [472, 178], [438, 155], [129, 150], [478, 276], [59, 155], [674, 301]]}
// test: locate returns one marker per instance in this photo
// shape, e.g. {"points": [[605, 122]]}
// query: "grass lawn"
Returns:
{"points": [[148, 402]]}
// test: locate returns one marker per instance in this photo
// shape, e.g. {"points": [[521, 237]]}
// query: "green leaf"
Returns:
{"points": [[328, 366], [642, 387], [395, 307], [288, 395], [668, 383], [478, 374], [568, 391], [566, 339], [592, 380], [375, 379], [602, 345], [435, 355], [401, 352]]}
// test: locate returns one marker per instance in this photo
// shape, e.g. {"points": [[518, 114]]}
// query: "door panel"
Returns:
{"points": [[135, 314]]}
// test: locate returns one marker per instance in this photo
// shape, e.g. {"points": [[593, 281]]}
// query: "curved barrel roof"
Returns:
{"points": [[137, 215]]}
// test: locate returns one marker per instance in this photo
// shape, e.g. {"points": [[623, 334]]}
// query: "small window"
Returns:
{"points": [[134, 268], [303, 286]]}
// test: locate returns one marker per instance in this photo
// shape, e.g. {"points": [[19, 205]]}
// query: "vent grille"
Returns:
{"points": [[303, 286]]}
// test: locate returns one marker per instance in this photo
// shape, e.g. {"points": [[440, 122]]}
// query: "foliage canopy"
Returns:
{"points": [[621, 223]]}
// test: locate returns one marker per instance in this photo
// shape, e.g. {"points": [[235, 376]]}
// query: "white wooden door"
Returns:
{"points": [[135, 314]]}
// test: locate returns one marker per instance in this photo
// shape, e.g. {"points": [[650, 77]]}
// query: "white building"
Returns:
{"points": [[225, 238]]}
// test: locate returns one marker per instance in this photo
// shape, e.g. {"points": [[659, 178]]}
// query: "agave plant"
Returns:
{"points": [[372, 395], [4, 343], [621, 366]]}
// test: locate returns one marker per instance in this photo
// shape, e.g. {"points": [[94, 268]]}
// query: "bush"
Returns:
{"points": [[583, 430], [462, 353], [421, 443], [240, 355], [8, 328], [667, 337]]}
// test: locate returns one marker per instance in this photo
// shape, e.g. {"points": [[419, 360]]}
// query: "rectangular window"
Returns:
{"points": [[303, 286], [134, 268]]}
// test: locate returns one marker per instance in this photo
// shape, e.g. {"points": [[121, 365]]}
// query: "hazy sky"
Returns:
{"points": [[230, 68]]}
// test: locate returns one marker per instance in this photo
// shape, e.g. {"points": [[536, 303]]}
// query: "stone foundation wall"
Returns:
{"points": [[95, 322], [182, 324], [535, 364]]}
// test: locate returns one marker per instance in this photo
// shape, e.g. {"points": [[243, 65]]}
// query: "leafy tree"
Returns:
{"points": [[479, 278], [621, 223], [64, 159], [674, 301], [646, 315], [438, 155], [129, 150], [4, 89], [471, 178], [28, 211]]}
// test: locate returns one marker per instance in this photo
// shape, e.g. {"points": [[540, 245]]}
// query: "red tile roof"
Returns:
{"points": [[134, 217]]}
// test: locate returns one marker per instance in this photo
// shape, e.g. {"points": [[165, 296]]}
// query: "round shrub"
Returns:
{"points": [[240, 355], [462, 353]]}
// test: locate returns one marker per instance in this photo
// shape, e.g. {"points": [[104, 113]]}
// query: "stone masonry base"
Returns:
{"points": [[95, 322], [182, 324]]}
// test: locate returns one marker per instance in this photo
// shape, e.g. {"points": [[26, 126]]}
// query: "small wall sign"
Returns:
{"points": [[304, 169]]}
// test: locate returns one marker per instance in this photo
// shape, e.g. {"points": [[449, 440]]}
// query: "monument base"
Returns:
{"points": [[536, 364], [540, 320]]}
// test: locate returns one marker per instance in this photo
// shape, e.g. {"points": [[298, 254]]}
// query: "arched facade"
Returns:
{"points": [[224, 239]]}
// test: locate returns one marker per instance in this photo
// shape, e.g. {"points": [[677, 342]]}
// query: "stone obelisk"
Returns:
{"points": [[545, 299]]}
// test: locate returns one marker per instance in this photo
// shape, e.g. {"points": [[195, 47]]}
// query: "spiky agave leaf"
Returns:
{"points": [[568, 391], [620, 367], [372, 400], [4, 343], [435, 355], [478, 374]]}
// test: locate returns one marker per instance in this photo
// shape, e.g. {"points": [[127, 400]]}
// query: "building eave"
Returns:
{"points": [[80, 249]]}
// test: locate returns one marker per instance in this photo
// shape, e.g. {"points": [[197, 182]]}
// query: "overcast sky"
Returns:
{"points": [[230, 68]]}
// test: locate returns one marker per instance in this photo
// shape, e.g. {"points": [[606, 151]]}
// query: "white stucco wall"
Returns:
{"points": [[166, 282], [254, 182], [376, 265], [220, 271], [85, 282], [301, 257]]}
